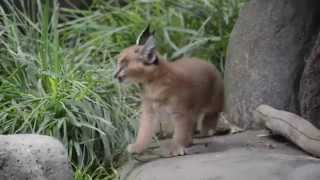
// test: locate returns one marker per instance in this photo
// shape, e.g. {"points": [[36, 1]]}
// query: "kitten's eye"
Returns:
{"points": [[124, 62]]}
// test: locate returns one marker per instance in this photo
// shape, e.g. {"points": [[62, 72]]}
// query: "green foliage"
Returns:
{"points": [[49, 87], [56, 69], [99, 173]]}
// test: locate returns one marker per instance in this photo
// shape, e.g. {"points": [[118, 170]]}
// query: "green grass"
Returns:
{"points": [[56, 69]]}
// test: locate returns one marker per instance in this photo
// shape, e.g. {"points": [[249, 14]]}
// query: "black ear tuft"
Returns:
{"points": [[144, 35]]}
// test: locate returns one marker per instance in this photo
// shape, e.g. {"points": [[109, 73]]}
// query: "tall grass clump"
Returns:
{"points": [[56, 68], [48, 87]]}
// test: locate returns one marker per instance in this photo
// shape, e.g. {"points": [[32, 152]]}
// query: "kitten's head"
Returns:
{"points": [[136, 63]]}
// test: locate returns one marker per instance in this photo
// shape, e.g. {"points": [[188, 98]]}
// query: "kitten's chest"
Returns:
{"points": [[162, 100], [162, 111]]}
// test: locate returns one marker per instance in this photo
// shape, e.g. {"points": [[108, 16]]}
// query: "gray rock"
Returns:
{"points": [[231, 165], [309, 92], [246, 156], [265, 57], [33, 157]]}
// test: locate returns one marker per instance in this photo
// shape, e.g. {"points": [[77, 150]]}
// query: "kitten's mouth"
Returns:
{"points": [[119, 75], [121, 79]]}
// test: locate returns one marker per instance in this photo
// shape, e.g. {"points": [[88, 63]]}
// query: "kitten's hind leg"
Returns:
{"points": [[208, 125]]}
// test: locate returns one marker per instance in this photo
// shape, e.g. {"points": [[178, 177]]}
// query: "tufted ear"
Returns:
{"points": [[144, 35], [149, 50]]}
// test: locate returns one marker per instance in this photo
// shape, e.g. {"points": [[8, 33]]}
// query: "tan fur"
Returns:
{"points": [[182, 90]]}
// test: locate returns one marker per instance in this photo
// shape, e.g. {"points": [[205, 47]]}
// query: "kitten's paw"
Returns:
{"points": [[178, 151], [134, 149]]}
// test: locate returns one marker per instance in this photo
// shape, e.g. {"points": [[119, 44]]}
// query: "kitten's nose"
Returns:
{"points": [[116, 74], [119, 76]]}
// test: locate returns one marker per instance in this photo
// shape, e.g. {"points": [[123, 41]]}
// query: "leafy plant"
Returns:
{"points": [[48, 87]]}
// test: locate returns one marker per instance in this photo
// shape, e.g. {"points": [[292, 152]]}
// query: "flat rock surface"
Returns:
{"points": [[251, 155]]}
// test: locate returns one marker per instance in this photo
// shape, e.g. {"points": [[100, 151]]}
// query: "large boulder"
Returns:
{"points": [[309, 92], [33, 157], [265, 57], [244, 156]]}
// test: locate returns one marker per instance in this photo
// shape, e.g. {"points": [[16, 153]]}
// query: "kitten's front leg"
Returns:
{"points": [[145, 132]]}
